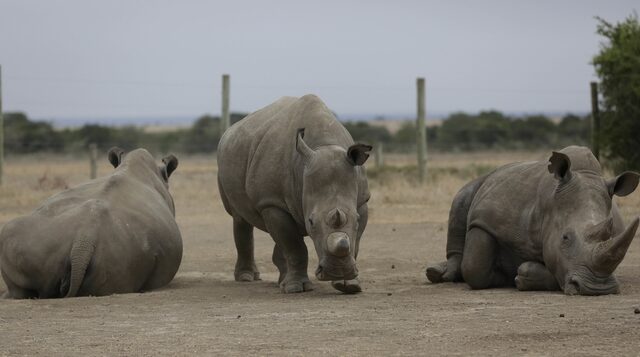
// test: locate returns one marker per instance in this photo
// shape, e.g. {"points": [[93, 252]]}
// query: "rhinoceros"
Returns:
{"points": [[539, 226], [114, 234], [292, 170]]}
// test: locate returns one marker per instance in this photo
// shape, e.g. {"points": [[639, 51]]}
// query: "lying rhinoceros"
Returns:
{"points": [[115, 234], [292, 170], [541, 226]]}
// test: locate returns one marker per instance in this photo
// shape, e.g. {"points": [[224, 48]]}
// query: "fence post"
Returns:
{"points": [[1, 132], [595, 121], [379, 157], [225, 120], [93, 158], [421, 132]]}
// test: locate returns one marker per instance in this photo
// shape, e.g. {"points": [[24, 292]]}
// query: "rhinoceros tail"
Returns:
{"points": [[80, 257]]}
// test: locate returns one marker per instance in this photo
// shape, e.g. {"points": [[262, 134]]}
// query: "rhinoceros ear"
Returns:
{"points": [[358, 153], [560, 166], [301, 147], [115, 156], [170, 164], [624, 184]]}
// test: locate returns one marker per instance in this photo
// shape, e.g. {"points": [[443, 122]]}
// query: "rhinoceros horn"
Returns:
{"points": [[336, 218], [301, 147], [609, 253]]}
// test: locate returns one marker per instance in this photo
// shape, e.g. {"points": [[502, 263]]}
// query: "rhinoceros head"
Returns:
{"points": [[143, 158], [329, 203], [584, 239]]}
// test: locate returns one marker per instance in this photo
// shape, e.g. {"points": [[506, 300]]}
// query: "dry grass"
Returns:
{"points": [[397, 197]]}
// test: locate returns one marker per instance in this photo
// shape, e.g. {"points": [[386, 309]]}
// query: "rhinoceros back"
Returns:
{"points": [[257, 161]]}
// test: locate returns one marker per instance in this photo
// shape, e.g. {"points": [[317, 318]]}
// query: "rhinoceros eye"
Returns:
{"points": [[310, 222]]}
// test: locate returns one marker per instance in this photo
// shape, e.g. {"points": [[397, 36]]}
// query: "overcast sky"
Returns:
{"points": [[98, 59]]}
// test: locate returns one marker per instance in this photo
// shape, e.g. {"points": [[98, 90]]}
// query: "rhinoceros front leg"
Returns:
{"points": [[280, 262], [535, 276], [479, 268], [246, 269], [284, 231]]}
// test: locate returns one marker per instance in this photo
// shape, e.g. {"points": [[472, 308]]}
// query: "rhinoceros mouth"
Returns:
{"points": [[591, 286], [337, 268]]}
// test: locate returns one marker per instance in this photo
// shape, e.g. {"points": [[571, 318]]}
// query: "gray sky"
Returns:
{"points": [[93, 59]]}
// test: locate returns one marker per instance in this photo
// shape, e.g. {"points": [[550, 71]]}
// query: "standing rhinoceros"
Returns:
{"points": [[541, 226], [115, 234], [292, 170]]}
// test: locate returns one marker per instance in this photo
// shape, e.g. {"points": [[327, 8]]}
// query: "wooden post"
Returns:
{"points": [[379, 158], [93, 158], [225, 120], [421, 132], [1, 132], [595, 121]]}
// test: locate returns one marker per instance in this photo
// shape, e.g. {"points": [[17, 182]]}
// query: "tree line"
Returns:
{"points": [[486, 130], [460, 132]]}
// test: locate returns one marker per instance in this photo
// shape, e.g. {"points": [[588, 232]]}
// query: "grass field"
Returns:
{"points": [[204, 311]]}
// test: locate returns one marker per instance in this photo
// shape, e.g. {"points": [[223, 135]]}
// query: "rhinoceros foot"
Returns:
{"points": [[290, 286], [347, 286], [436, 272], [247, 276], [535, 276], [445, 272]]}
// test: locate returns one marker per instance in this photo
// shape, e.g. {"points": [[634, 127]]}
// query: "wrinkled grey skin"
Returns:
{"points": [[540, 226], [114, 234], [292, 170]]}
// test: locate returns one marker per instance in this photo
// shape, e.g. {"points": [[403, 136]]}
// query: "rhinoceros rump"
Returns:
{"points": [[540, 226], [115, 234], [293, 182]]}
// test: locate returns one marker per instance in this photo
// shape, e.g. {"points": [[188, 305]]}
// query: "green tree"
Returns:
{"points": [[574, 130], [25, 136], [363, 132], [533, 131], [618, 66]]}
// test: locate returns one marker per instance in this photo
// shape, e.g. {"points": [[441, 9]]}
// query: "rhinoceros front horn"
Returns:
{"points": [[608, 254]]}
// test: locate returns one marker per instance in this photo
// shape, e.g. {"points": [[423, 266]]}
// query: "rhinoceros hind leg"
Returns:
{"points": [[246, 269], [284, 231], [535, 276], [478, 266], [16, 292], [347, 286]]}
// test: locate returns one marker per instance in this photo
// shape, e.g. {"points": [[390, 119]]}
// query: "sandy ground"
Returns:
{"points": [[203, 311]]}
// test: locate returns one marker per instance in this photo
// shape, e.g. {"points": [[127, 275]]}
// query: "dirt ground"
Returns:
{"points": [[204, 312]]}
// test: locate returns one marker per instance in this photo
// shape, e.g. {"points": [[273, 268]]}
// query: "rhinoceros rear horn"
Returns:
{"points": [[115, 156], [357, 154], [560, 166], [624, 184], [301, 147], [170, 164]]}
